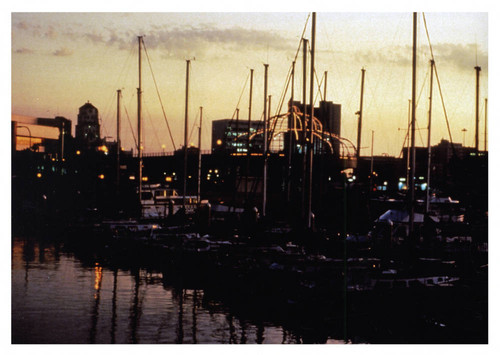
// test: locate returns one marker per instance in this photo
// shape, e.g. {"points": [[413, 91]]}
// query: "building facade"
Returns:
{"points": [[329, 115], [87, 130], [43, 135], [230, 135]]}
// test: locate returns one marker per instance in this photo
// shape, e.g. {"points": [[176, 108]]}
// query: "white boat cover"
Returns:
{"points": [[399, 216]]}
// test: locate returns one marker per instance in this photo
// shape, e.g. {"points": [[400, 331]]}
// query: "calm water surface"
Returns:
{"points": [[68, 292], [58, 297]]}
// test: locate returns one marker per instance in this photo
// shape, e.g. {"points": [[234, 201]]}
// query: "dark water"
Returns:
{"points": [[79, 293], [59, 298]]}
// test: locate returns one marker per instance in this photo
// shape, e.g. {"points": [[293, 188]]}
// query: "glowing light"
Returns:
{"points": [[78, 152], [101, 176], [39, 175], [98, 277], [131, 177], [168, 179], [219, 141], [145, 178], [103, 148]]}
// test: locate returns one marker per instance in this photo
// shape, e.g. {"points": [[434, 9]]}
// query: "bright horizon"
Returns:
{"points": [[62, 60]]}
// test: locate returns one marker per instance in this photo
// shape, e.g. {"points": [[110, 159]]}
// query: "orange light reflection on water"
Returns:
{"points": [[98, 278]]}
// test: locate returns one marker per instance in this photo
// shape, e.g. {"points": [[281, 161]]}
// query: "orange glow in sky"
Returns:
{"points": [[62, 60]]}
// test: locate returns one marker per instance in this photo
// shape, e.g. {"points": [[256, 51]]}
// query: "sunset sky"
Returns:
{"points": [[59, 61]]}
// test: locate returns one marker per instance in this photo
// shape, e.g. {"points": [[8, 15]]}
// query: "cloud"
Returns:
{"points": [[186, 42], [460, 56], [63, 52], [205, 37], [51, 33], [463, 56], [22, 26], [24, 51]]}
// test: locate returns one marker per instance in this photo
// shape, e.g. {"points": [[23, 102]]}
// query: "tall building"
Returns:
{"points": [[329, 114], [231, 135], [87, 130]]}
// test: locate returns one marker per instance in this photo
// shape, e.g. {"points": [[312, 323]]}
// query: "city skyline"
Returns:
{"points": [[88, 56]]}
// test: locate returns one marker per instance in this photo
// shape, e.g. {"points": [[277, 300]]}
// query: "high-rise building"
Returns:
{"points": [[231, 135], [87, 130], [329, 115]]}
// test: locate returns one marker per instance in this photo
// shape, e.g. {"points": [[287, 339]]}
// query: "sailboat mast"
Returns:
{"points": [[199, 155], [311, 125], [371, 160], [324, 122], [324, 85], [407, 140], [485, 124], [304, 127], [264, 155], [429, 149], [413, 123], [360, 120], [371, 164], [186, 136], [248, 133], [139, 121], [291, 131], [476, 146], [118, 142]]}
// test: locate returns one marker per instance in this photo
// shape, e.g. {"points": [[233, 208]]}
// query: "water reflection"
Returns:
{"points": [[243, 339], [195, 305], [54, 284], [135, 310], [97, 298], [180, 329], [113, 308], [62, 293]]}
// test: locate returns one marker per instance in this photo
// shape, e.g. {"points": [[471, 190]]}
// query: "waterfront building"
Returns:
{"points": [[329, 115], [87, 130], [44, 135], [230, 135]]}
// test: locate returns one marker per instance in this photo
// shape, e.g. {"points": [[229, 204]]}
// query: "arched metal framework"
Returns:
{"points": [[280, 124]]}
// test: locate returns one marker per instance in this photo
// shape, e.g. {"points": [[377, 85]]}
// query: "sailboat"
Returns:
{"points": [[158, 201], [399, 226]]}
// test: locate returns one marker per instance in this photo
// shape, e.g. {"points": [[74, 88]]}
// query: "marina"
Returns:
{"points": [[281, 233]]}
